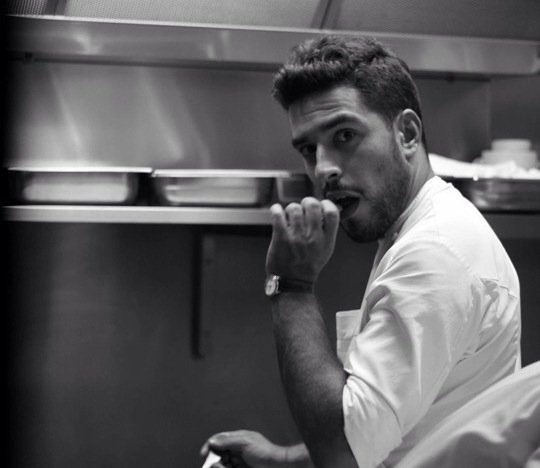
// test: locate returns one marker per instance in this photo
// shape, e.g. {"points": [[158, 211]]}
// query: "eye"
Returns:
{"points": [[344, 136], [307, 151]]}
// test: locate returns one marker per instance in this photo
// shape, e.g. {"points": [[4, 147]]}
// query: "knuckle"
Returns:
{"points": [[293, 208]]}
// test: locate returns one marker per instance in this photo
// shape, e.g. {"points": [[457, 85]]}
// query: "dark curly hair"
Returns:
{"points": [[383, 79]]}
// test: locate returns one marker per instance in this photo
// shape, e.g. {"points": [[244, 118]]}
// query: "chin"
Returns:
{"points": [[364, 232]]}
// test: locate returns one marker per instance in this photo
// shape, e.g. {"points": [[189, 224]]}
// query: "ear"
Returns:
{"points": [[409, 130]]}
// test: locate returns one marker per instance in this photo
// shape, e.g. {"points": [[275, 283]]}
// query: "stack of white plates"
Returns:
{"points": [[505, 150]]}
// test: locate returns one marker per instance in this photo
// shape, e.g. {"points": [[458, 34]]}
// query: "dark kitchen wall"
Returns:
{"points": [[515, 108], [102, 364], [103, 370]]}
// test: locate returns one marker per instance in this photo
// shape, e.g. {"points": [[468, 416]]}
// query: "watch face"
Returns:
{"points": [[271, 286]]}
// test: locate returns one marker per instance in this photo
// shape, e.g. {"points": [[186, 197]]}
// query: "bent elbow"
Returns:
{"points": [[336, 454]]}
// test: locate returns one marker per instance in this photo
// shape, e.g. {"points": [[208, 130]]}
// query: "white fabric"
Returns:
{"points": [[534, 460], [499, 428], [439, 323]]}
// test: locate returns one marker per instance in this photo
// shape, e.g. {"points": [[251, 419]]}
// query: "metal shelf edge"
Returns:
{"points": [[506, 225], [136, 214]]}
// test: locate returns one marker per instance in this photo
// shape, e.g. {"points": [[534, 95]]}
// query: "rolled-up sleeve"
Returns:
{"points": [[421, 315]]}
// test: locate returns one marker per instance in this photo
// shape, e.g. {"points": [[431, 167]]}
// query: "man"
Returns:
{"points": [[440, 319]]}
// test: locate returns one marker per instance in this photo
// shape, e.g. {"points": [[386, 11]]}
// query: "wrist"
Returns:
{"points": [[276, 284], [296, 456]]}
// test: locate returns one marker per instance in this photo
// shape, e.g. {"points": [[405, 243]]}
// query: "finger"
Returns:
{"points": [[313, 214], [225, 442], [295, 217], [205, 449], [330, 216], [237, 462], [279, 223]]}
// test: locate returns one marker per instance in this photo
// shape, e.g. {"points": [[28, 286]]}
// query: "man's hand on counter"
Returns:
{"points": [[249, 449]]}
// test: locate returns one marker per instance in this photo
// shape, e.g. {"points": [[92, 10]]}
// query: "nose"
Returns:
{"points": [[327, 170]]}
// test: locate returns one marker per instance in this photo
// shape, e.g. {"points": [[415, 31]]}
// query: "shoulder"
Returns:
{"points": [[426, 255], [453, 230]]}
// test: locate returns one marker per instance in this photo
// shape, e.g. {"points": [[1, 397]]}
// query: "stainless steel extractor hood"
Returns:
{"points": [[501, 19], [62, 38]]}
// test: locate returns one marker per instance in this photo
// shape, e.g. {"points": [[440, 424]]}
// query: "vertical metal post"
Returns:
{"points": [[204, 300]]}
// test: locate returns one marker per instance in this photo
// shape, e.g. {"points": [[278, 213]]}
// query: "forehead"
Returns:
{"points": [[319, 111]]}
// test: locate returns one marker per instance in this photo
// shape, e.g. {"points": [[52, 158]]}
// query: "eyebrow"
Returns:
{"points": [[332, 122]]}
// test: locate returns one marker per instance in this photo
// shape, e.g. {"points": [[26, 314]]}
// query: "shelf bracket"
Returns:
{"points": [[205, 300]]}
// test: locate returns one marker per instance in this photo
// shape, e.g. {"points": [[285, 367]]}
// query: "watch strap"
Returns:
{"points": [[281, 284], [295, 285]]}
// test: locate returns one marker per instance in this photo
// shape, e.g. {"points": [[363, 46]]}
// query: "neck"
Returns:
{"points": [[421, 173]]}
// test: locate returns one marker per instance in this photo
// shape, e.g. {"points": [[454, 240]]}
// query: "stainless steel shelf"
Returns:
{"points": [[506, 225], [182, 44], [136, 214]]}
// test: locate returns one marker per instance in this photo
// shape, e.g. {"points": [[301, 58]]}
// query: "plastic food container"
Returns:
{"points": [[524, 159], [498, 194], [76, 185], [511, 144]]}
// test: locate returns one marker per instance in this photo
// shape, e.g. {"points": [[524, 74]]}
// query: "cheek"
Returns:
{"points": [[369, 173]]}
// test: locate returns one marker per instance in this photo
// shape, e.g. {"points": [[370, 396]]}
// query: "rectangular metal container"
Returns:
{"points": [[500, 194], [75, 185], [291, 187], [210, 187]]}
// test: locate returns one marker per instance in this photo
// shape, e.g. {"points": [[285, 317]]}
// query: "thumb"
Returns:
{"points": [[231, 441], [331, 217]]}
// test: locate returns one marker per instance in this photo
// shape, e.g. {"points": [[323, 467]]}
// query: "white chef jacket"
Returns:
{"points": [[439, 323], [499, 428]]}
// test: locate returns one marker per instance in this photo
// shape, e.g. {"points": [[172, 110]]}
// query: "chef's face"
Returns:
{"points": [[353, 158]]}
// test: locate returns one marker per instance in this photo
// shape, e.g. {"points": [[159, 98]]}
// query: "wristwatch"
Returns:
{"points": [[275, 284]]}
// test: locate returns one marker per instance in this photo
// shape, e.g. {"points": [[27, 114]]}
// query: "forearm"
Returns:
{"points": [[312, 376], [297, 456]]}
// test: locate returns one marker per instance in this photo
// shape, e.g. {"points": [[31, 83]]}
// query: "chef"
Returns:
{"points": [[440, 318]]}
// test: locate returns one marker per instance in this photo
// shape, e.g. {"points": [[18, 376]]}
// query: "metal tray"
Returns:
{"points": [[291, 187], [500, 194], [205, 187], [75, 185]]}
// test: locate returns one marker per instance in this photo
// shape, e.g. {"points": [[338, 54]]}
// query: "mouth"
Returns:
{"points": [[345, 201]]}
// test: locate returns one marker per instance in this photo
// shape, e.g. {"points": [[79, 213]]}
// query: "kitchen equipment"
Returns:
{"points": [[76, 185], [207, 187], [499, 194], [211, 459]]}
